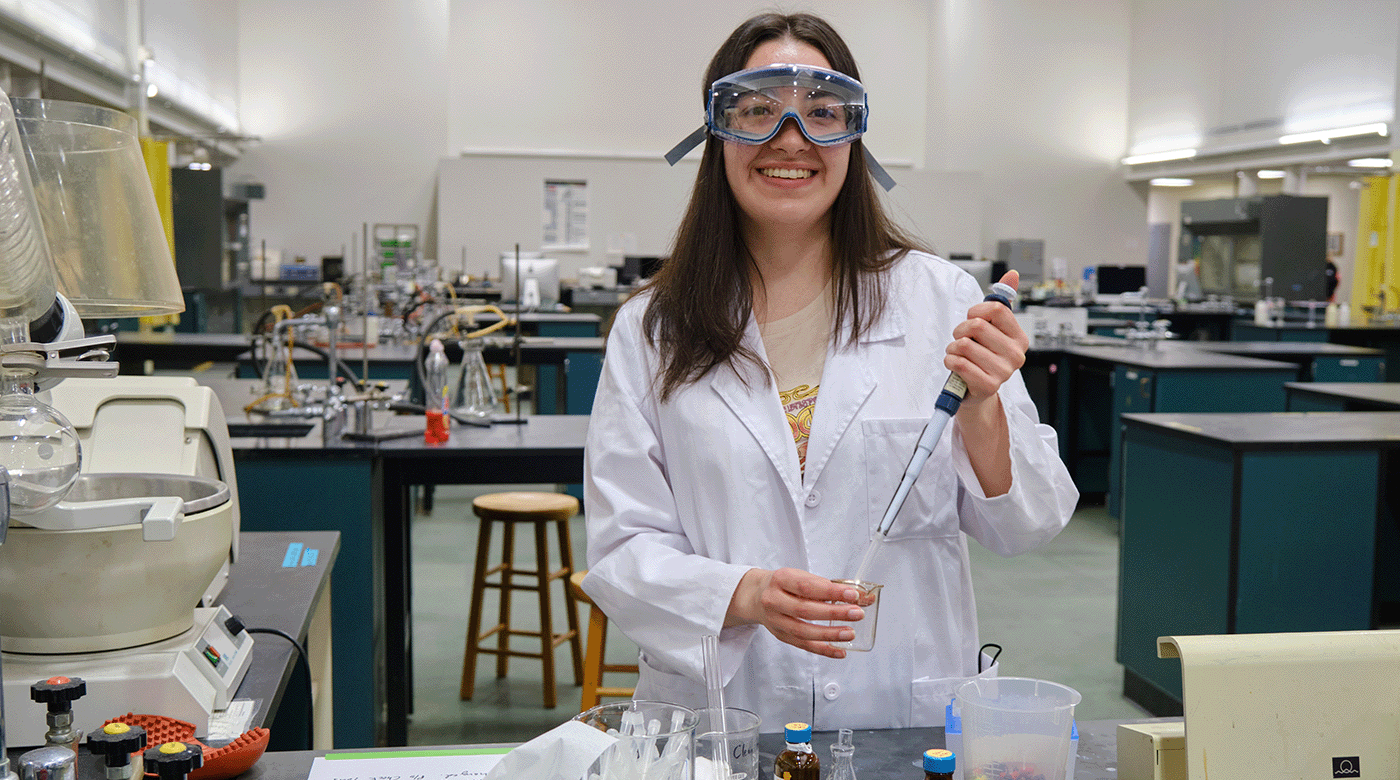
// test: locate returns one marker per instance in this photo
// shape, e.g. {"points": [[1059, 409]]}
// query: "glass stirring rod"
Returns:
{"points": [[954, 390]]}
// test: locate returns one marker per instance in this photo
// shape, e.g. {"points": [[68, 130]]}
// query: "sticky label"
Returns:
{"points": [[308, 558], [293, 555]]}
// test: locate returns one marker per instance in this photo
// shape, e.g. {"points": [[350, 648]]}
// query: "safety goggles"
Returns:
{"points": [[750, 107]]}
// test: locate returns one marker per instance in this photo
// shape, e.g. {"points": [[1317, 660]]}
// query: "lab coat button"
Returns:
{"points": [[814, 498], [831, 690]]}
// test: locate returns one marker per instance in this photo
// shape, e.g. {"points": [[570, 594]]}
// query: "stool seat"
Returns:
{"points": [[593, 664], [510, 509]]}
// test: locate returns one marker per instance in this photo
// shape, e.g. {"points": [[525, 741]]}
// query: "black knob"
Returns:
{"points": [[174, 760], [58, 693], [117, 741]]}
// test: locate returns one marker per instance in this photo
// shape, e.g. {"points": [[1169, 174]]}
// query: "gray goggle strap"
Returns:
{"points": [[683, 148], [882, 177]]}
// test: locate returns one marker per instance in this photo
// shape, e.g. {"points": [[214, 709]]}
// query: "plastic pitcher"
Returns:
{"points": [[1015, 726]]}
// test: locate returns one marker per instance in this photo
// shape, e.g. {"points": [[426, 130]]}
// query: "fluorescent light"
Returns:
{"points": [[1378, 128], [1172, 182], [1271, 174], [152, 90], [1371, 162], [1174, 154]]}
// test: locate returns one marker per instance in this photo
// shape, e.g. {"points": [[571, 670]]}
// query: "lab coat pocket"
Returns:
{"points": [[930, 510], [929, 697]]}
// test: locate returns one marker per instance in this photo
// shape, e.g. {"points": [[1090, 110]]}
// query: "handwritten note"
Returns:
{"points": [[461, 764]]}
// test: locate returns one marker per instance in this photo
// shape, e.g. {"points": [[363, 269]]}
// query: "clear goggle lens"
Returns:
{"points": [[750, 106]]}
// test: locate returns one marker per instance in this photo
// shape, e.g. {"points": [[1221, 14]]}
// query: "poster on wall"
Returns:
{"points": [[565, 215]]}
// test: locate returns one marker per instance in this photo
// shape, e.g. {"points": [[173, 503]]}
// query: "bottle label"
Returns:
{"points": [[956, 385]]}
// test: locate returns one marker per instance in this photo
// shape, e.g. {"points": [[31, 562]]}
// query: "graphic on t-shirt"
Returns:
{"points": [[798, 404]]}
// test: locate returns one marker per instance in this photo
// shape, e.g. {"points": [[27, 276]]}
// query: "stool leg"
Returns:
{"points": [[597, 635], [508, 558], [546, 616], [566, 554], [483, 543]]}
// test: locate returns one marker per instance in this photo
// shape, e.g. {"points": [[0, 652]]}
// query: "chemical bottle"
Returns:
{"points": [[842, 751], [435, 394], [1344, 314], [1331, 317], [797, 761], [939, 764]]}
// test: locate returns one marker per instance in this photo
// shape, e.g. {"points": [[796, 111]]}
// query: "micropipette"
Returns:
{"points": [[943, 410]]}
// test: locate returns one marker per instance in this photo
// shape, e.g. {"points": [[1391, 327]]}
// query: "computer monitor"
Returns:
{"points": [[1119, 279], [539, 273]]}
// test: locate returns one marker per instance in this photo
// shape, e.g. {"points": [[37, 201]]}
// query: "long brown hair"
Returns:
{"points": [[702, 295]]}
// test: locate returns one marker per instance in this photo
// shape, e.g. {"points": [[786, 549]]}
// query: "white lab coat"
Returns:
{"points": [[683, 498]]}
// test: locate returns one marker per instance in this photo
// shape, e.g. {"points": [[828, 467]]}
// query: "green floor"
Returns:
{"points": [[1052, 610]]}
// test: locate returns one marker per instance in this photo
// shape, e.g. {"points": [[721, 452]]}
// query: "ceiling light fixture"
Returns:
{"points": [[1371, 162], [1326, 136], [1169, 182], [1266, 174], [1151, 157]]}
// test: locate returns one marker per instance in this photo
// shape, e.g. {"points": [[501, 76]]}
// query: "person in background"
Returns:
{"points": [[759, 401]]}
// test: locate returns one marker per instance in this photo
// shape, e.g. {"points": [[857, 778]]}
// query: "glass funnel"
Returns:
{"points": [[26, 268]]}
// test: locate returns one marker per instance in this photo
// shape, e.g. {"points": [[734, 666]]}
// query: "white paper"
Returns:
{"points": [[565, 224], [464, 764]]}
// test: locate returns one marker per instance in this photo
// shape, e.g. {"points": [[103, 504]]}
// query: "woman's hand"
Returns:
{"points": [[988, 347], [787, 601]]}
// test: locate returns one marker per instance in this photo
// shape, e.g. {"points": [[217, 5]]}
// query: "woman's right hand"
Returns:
{"points": [[788, 601]]}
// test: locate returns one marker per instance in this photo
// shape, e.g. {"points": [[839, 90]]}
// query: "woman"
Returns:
{"points": [[761, 397]]}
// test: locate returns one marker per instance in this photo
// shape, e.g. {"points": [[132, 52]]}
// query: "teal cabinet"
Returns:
{"points": [[1248, 523]]}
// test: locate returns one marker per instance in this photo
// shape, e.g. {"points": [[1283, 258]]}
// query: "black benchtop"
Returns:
{"points": [[1279, 430]]}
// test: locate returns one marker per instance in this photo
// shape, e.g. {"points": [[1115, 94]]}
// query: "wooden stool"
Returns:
{"points": [[539, 509], [498, 371], [593, 664]]}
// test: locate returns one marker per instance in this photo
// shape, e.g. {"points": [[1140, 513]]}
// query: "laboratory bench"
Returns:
{"points": [[1099, 384], [364, 489], [1383, 337], [1317, 361], [1343, 396], [1249, 523], [879, 753]]}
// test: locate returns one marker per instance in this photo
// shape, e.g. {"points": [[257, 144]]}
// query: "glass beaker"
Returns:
{"points": [[868, 599], [1016, 724], [474, 397], [738, 743], [655, 741]]}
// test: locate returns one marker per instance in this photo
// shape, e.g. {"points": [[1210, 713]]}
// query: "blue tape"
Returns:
{"points": [[293, 555], [308, 558]]}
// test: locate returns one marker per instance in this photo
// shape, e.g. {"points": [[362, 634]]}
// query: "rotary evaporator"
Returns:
{"points": [[121, 514]]}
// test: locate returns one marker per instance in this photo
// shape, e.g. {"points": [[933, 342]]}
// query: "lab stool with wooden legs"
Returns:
{"points": [[593, 664], [539, 510]]}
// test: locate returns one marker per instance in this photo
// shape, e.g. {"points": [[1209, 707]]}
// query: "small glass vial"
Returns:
{"points": [[797, 762], [939, 764]]}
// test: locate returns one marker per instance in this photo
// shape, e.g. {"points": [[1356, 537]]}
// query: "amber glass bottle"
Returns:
{"points": [[797, 762]]}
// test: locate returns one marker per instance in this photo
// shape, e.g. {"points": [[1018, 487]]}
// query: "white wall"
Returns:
{"points": [[347, 96], [1024, 101], [1220, 72], [1034, 96]]}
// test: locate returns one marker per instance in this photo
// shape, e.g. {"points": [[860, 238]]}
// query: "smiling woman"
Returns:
{"points": [[761, 396]]}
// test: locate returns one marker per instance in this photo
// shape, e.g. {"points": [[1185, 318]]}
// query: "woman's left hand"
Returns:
{"points": [[988, 347]]}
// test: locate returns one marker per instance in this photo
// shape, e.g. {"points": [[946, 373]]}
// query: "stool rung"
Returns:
{"points": [[494, 629], [514, 653], [513, 586], [497, 569], [632, 668], [602, 691]]}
